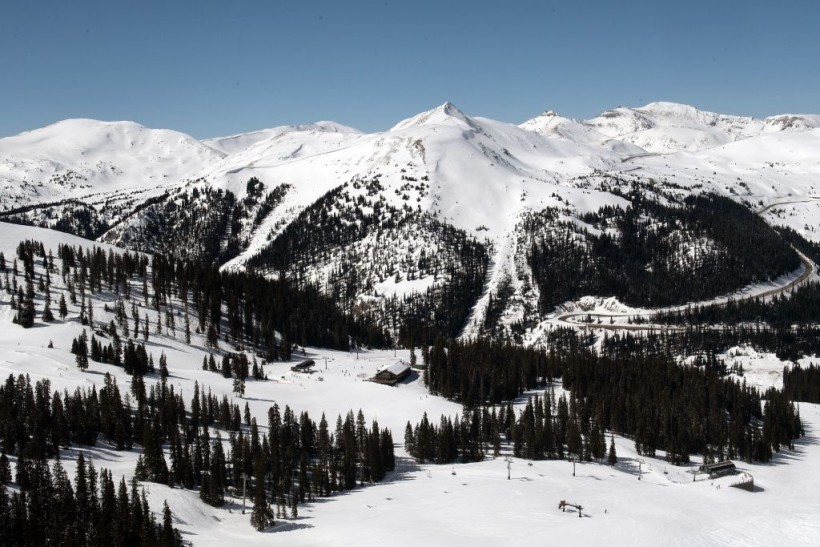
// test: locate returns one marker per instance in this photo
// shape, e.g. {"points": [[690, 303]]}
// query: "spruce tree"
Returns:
{"points": [[262, 515], [163, 366], [47, 316], [612, 459], [63, 308], [169, 537], [81, 353], [25, 314]]}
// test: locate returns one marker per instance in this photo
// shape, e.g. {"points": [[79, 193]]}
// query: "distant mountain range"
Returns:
{"points": [[443, 201]]}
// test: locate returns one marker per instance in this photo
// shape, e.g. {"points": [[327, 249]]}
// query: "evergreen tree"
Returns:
{"points": [[63, 308], [169, 537], [163, 366], [262, 515], [25, 314], [80, 350], [612, 459]]}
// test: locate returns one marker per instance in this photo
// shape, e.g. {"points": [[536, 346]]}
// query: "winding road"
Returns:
{"points": [[771, 206], [809, 270]]}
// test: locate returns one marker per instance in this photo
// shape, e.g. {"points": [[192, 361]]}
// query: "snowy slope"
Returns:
{"points": [[482, 172], [551, 124], [771, 172], [81, 158], [475, 504], [663, 127], [339, 385], [237, 143]]}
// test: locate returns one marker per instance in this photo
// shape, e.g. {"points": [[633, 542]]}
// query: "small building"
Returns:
{"points": [[719, 469], [391, 375], [304, 366]]}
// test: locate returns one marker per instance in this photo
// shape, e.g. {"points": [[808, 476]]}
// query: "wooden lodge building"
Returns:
{"points": [[390, 375], [304, 366], [719, 469]]}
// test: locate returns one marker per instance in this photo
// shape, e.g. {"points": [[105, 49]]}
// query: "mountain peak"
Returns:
{"points": [[450, 109], [445, 114]]}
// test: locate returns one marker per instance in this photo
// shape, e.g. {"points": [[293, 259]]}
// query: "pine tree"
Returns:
{"points": [[217, 474], [5, 469], [239, 386], [163, 366], [226, 366], [81, 353], [25, 314], [187, 328], [262, 515], [47, 316], [169, 537], [612, 459], [212, 340], [63, 308]]}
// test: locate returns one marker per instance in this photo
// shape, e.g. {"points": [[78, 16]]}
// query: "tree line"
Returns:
{"points": [[633, 386], [547, 428], [802, 383], [481, 371]]}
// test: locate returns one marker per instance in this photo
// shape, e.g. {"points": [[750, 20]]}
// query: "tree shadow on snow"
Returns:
{"points": [[287, 526], [790, 455], [95, 453], [257, 399]]}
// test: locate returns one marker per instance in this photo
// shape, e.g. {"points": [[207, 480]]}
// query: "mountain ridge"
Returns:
{"points": [[441, 180]]}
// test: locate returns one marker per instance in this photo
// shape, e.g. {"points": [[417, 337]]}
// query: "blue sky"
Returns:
{"points": [[217, 68]]}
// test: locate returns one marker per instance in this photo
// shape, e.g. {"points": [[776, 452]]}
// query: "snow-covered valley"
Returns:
{"points": [[640, 500]]}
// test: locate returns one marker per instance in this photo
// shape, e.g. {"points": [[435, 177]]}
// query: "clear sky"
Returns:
{"points": [[215, 68]]}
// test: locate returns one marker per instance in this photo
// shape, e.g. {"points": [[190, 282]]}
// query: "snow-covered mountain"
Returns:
{"points": [[441, 199], [90, 173], [79, 157], [242, 141], [663, 127]]}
